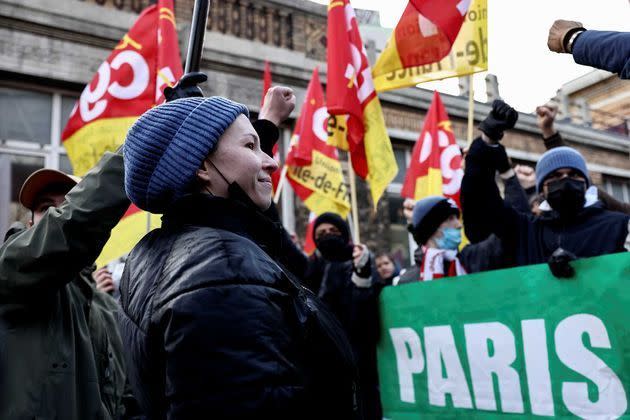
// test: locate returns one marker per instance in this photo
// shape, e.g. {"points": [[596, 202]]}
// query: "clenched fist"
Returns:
{"points": [[278, 105], [559, 34]]}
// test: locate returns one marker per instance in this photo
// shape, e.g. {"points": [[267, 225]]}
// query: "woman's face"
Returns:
{"points": [[239, 158]]}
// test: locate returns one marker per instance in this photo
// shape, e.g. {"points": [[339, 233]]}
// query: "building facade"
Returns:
{"points": [[50, 50]]}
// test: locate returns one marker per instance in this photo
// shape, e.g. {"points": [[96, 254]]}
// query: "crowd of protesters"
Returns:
{"points": [[219, 311]]}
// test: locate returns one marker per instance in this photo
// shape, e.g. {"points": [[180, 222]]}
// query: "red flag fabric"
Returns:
{"points": [[350, 91], [436, 160], [266, 82], [314, 170], [309, 242], [446, 15], [127, 84]]}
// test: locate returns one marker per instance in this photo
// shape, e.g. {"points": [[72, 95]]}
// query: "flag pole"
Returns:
{"points": [[148, 222], [281, 182], [471, 108], [197, 35], [353, 197]]}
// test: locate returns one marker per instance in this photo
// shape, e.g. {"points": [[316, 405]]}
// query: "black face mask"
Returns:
{"points": [[235, 192], [566, 196], [334, 248]]}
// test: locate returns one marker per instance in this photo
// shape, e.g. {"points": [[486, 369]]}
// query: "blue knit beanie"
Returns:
{"points": [[558, 158], [166, 146], [428, 214]]}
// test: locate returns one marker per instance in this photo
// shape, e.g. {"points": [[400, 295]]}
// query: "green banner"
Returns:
{"points": [[515, 342]]}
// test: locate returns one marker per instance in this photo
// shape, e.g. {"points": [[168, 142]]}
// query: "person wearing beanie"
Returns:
{"points": [[546, 115], [571, 216], [213, 321], [340, 274], [436, 228]]}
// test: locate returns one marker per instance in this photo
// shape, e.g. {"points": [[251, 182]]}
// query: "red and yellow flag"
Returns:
{"points": [[436, 160], [314, 170], [127, 84], [434, 39], [350, 91]]}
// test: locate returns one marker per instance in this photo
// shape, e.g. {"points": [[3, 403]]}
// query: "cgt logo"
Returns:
{"points": [[450, 160], [126, 77], [491, 352]]}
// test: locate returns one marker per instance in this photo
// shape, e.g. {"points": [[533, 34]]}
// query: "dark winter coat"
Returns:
{"points": [[357, 310], [215, 328], [604, 50], [528, 239], [61, 356]]}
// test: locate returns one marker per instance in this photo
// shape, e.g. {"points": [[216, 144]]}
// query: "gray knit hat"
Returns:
{"points": [[167, 144], [558, 158]]}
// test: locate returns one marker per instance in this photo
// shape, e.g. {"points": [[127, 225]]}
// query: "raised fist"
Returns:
{"points": [[546, 115], [278, 105], [559, 33], [502, 117]]}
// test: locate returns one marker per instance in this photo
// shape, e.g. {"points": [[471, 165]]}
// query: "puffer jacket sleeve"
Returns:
{"points": [[230, 352], [604, 50], [45, 257]]}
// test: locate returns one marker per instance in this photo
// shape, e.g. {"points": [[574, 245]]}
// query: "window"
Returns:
{"points": [[14, 169], [400, 239], [401, 161], [30, 138], [399, 244], [618, 188], [26, 115]]}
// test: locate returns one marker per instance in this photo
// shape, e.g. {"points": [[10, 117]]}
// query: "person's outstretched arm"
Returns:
{"points": [[605, 50], [45, 257]]}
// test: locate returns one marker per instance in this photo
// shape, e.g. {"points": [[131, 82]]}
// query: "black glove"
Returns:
{"points": [[501, 118], [186, 87]]}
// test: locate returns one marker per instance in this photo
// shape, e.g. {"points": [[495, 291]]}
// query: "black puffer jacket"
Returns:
{"points": [[356, 308], [216, 329]]}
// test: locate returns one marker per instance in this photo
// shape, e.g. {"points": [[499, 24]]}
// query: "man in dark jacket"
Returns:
{"points": [[546, 115], [605, 50], [572, 219], [340, 274], [61, 355]]}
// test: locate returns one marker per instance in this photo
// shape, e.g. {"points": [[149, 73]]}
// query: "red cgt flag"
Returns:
{"points": [[435, 167], [313, 166], [127, 84], [435, 24], [350, 91]]}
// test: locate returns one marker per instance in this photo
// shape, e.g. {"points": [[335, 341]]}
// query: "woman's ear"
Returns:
{"points": [[203, 174]]}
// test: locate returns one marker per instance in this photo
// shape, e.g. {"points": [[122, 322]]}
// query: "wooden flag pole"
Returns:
{"points": [[353, 197], [471, 108], [281, 183]]}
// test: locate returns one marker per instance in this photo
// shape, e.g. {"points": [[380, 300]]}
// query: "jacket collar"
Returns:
{"points": [[243, 219]]}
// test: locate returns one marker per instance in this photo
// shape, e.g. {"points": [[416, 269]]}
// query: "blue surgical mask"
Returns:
{"points": [[451, 238]]}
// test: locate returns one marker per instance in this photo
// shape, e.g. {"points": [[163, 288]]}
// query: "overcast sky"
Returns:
{"points": [[529, 74]]}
